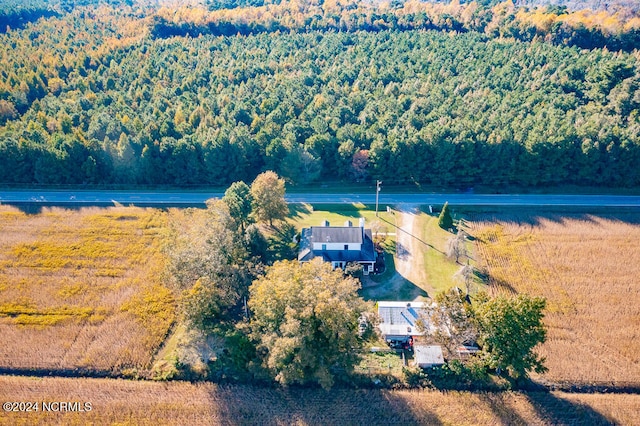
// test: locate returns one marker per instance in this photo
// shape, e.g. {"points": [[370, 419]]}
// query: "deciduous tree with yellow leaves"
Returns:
{"points": [[305, 322]]}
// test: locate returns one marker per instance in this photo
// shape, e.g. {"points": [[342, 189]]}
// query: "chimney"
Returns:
{"points": [[348, 223], [361, 222], [325, 223]]}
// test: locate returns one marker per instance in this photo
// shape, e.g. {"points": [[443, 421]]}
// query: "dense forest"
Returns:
{"points": [[443, 94], [607, 5], [587, 29]]}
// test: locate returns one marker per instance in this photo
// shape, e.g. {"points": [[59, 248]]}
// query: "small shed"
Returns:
{"points": [[465, 351], [426, 356]]}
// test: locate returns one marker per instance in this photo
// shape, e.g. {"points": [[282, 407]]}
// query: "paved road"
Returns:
{"points": [[190, 198]]}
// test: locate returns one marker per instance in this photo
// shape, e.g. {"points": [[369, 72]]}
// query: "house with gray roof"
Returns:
{"points": [[339, 245]]}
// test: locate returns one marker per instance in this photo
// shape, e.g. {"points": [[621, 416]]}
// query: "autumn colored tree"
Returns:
{"points": [[213, 118], [268, 192], [210, 265], [359, 165], [305, 322]]}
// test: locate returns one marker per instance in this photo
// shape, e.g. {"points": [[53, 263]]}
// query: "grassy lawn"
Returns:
{"points": [[304, 215], [381, 363], [438, 268], [390, 285], [164, 366]]}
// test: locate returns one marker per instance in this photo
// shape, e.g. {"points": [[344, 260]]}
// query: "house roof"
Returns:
{"points": [[336, 234], [399, 318], [319, 233]]}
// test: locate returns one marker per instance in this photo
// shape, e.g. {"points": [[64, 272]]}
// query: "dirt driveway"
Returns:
{"points": [[409, 255], [409, 273]]}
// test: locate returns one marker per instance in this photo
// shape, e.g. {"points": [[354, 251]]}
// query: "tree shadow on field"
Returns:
{"points": [[558, 411], [497, 405], [297, 210], [34, 209], [241, 404], [548, 407], [353, 210], [496, 285]]}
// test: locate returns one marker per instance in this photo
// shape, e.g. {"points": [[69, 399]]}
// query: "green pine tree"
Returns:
{"points": [[444, 220]]}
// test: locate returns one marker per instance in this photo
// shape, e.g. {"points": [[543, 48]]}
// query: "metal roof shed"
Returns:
{"points": [[427, 356]]}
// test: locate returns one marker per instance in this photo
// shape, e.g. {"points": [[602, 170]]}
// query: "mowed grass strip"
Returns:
{"points": [[179, 403], [587, 267], [83, 288], [439, 270], [304, 215]]}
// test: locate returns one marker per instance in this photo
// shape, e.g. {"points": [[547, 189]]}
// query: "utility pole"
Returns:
{"points": [[378, 183]]}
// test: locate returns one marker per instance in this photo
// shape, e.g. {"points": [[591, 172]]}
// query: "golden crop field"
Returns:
{"points": [[81, 289], [124, 402], [587, 267]]}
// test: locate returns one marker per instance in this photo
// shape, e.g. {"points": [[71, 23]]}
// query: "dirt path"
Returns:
{"points": [[409, 255]]}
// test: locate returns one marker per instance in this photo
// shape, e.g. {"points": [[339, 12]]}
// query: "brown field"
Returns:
{"points": [[82, 288], [587, 267], [152, 403]]}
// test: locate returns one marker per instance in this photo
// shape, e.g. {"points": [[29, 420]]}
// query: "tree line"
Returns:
{"points": [[618, 29]]}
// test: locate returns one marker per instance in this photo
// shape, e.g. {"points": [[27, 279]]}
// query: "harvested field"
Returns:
{"points": [[587, 266], [152, 403], [81, 289]]}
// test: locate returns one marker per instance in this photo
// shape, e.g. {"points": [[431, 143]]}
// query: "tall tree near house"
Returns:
{"points": [[452, 321], [444, 220], [268, 191], [305, 322], [211, 265], [283, 242], [239, 200], [256, 243], [510, 329], [210, 301]]}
